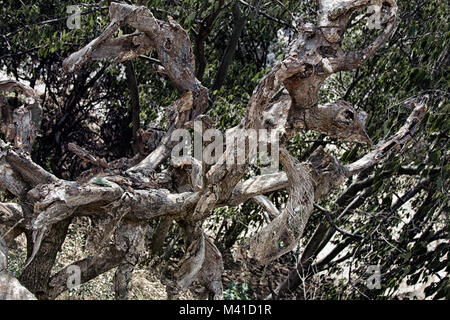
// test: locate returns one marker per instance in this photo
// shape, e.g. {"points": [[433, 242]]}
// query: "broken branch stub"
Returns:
{"points": [[169, 39], [394, 143], [19, 124]]}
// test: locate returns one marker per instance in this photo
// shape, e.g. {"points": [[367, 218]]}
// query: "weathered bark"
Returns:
{"points": [[282, 233], [348, 202], [396, 142], [160, 235], [86, 156], [20, 125], [203, 262], [35, 277], [31, 173], [124, 194], [210, 275], [194, 168], [268, 206], [12, 221], [129, 240], [3, 255], [10, 180], [122, 278], [12, 289], [321, 236]]}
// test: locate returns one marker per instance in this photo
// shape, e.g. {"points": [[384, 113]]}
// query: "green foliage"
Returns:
{"points": [[101, 182], [236, 291]]}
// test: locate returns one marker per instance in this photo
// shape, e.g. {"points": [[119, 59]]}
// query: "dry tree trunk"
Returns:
{"points": [[125, 194], [10, 287]]}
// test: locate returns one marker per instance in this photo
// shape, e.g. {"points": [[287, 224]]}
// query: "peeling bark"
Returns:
{"points": [[268, 206], [11, 289], [127, 245], [20, 125], [282, 234]]}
